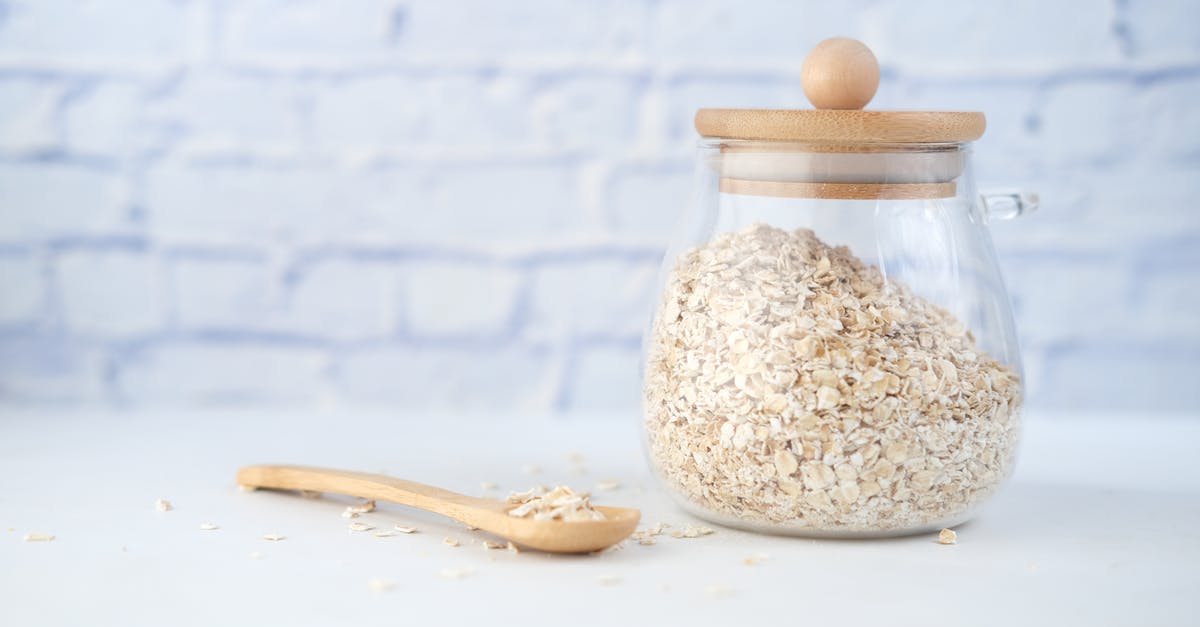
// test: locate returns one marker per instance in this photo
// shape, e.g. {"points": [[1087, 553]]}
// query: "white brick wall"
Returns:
{"points": [[460, 203]]}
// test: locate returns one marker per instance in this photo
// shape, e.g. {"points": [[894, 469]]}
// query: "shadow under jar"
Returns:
{"points": [[833, 353]]}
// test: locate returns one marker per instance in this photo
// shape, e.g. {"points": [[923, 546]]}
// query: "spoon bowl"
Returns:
{"points": [[554, 536]]}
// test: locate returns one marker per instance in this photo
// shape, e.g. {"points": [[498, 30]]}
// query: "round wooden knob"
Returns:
{"points": [[840, 73]]}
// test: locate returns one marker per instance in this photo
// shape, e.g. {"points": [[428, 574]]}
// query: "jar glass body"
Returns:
{"points": [[833, 352]]}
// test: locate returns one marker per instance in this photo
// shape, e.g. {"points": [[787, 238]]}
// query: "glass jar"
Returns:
{"points": [[833, 353]]}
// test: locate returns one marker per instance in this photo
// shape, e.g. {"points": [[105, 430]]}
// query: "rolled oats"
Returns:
{"points": [[561, 503], [947, 536], [38, 537], [789, 384], [163, 505]]}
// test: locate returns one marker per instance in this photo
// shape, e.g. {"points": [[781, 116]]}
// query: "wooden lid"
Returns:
{"points": [[840, 76]]}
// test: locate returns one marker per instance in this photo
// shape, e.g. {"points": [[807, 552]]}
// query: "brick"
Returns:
{"points": [[1046, 313], [312, 31], [534, 31], [970, 39], [224, 293], [109, 119], [346, 300], [222, 372], [213, 111], [1107, 375], [593, 297], [451, 378], [229, 203], [647, 202], [94, 34], [44, 200], [592, 114], [22, 287], [1085, 122], [727, 31], [605, 378], [27, 109], [445, 299], [1163, 29], [1170, 120], [111, 293], [392, 112], [42, 368]]}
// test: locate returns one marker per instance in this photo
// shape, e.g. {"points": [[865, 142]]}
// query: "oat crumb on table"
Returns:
{"points": [[208, 526], [448, 541], [360, 526], [947, 536], [274, 537], [380, 585], [39, 537], [163, 505], [403, 529]]}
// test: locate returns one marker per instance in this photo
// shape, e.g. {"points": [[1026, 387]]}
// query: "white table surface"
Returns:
{"points": [[1100, 526]]}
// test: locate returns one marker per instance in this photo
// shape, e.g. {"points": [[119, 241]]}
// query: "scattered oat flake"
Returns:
{"points": [[274, 537], [692, 531], [561, 503], [386, 533], [947, 536], [755, 559], [250, 488], [360, 526], [512, 548], [39, 537], [608, 580], [448, 541], [163, 505], [607, 484], [380, 585], [349, 514], [456, 573], [208, 526], [255, 555], [403, 529], [366, 507], [489, 545], [718, 592]]}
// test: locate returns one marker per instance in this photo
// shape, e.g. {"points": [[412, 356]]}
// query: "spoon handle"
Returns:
{"points": [[365, 485]]}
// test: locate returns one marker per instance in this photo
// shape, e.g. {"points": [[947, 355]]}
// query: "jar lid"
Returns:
{"points": [[840, 76]]}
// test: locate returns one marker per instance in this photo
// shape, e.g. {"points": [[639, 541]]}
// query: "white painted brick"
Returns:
{"points": [[537, 31], [27, 109], [1164, 29], [314, 31], [460, 378], [447, 299], [232, 203], [111, 293], [22, 289], [1046, 312], [40, 368], [345, 300], [40, 200], [1085, 122], [108, 119], [606, 378], [608, 297], [88, 33], [969, 38], [647, 202], [592, 114], [1170, 119], [391, 112], [215, 110], [224, 293], [1118, 376], [223, 372], [725, 31], [506, 204]]}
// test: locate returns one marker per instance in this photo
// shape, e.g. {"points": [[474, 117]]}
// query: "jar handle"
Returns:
{"points": [[1006, 204]]}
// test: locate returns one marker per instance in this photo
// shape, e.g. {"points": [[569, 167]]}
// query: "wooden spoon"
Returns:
{"points": [[554, 536]]}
